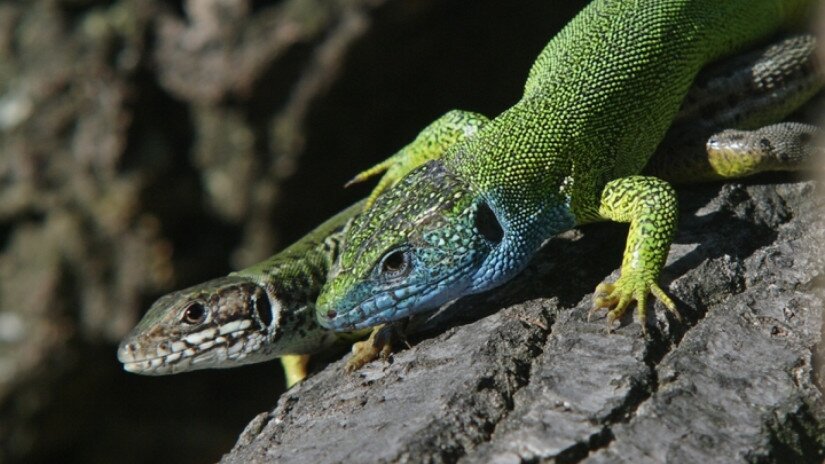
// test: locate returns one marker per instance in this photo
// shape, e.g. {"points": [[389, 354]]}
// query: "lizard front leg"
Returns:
{"points": [[431, 143], [649, 204]]}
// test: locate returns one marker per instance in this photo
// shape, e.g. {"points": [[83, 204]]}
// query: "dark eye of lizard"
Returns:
{"points": [[195, 313], [396, 264]]}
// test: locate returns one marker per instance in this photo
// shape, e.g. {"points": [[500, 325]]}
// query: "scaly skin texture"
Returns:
{"points": [[597, 101], [266, 311], [778, 147], [446, 131], [743, 92], [170, 340], [253, 315]]}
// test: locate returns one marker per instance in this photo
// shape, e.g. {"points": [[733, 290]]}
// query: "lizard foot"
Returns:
{"points": [[617, 297], [379, 344]]}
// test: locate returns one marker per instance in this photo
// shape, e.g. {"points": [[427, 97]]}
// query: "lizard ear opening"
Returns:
{"points": [[487, 224], [264, 309]]}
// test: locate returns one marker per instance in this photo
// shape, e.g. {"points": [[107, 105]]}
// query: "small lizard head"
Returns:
{"points": [[417, 247], [220, 323]]}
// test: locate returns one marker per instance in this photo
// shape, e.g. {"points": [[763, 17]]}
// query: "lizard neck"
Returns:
{"points": [[493, 162], [525, 231]]}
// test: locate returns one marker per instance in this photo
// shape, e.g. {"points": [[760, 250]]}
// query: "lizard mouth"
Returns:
{"points": [[158, 365], [229, 348], [136, 360], [387, 306], [391, 304]]}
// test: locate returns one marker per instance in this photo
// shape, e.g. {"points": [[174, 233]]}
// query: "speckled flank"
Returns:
{"points": [[744, 92], [597, 102]]}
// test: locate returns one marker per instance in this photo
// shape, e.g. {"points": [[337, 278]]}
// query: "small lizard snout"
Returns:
{"points": [[126, 352]]}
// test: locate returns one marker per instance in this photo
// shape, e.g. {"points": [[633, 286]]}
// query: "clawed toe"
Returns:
{"points": [[378, 345], [617, 298]]}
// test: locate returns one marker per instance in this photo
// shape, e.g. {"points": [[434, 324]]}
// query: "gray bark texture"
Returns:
{"points": [[537, 382], [148, 145]]}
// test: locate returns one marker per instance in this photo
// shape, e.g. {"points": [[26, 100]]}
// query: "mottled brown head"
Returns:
{"points": [[220, 323]]}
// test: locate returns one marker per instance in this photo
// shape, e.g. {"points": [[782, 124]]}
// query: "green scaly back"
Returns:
{"points": [[597, 102]]}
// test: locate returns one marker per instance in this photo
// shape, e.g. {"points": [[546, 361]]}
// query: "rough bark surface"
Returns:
{"points": [[536, 381]]}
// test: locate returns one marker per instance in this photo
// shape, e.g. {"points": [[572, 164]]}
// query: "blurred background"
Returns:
{"points": [[146, 146]]}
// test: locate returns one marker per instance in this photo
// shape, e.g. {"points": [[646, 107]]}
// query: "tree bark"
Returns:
{"points": [[535, 381]]}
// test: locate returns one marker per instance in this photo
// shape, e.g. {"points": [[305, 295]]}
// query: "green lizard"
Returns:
{"points": [[264, 311], [260, 313], [597, 102]]}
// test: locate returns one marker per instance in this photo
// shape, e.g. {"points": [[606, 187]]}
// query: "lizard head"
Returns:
{"points": [[224, 322], [419, 246]]}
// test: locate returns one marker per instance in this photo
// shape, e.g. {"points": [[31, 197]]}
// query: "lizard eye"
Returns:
{"points": [[194, 314], [395, 264]]}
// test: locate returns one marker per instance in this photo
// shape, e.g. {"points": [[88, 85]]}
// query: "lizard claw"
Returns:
{"points": [[379, 344], [394, 168], [617, 297], [371, 172]]}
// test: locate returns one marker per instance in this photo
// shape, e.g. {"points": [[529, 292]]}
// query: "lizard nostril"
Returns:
{"points": [[331, 314]]}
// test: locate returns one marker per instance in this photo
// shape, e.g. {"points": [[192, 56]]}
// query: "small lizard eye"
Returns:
{"points": [[195, 313], [396, 264]]}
